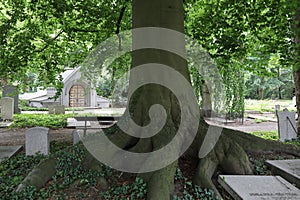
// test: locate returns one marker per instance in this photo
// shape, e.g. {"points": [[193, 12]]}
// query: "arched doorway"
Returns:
{"points": [[77, 96]]}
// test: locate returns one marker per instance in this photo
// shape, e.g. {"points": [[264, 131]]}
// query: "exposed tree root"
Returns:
{"points": [[229, 154], [39, 176]]}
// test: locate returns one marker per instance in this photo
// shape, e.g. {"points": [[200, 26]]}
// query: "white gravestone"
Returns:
{"points": [[277, 108], [286, 125], [37, 140], [76, 136], [294, 101], [7, 108], [11, 91]]}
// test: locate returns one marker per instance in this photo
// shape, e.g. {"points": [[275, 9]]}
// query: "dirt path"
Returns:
{"points": [[17, 136], [249, 126]]}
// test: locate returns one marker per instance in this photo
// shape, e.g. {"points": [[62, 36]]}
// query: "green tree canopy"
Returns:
{"points": [[45, 37]]}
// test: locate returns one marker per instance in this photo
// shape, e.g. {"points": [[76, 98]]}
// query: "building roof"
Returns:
{"points": [[68, 73], [41, 95], [33, 95]]}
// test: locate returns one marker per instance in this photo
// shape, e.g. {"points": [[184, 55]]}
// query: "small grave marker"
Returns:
{"points": [[11, 91], [76, 136], [277, 108], [258, 187], [7, 108], [286, 125], [288, 169], [37, 140], [294, 101]]}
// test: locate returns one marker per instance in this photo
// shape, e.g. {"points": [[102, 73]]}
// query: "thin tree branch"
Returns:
{"points": [[47, 45]]}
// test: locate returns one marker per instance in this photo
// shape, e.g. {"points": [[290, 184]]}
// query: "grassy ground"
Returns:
{"points": [[268, 105]]}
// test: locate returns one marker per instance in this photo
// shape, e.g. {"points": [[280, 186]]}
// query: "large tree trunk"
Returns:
{"points": [[213, 146], [163, 14]]}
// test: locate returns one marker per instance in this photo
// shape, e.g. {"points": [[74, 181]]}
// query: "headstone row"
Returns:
{"points": [[37, 140]]}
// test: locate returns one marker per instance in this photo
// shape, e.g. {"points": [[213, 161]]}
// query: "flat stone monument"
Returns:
{"points": [[8, 151], [5, 124], [56, 109], [73, 123], [259, 187], [37, 140], [288, 169], [7, 108], [286, 125]]}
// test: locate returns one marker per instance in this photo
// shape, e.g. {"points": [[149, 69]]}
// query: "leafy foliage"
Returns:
{"points": [[15, 169], [136, 190], [242, 37], [40, 39], [269, 135], [191, 191], [44, 120], [276, 82], [45, 37]]}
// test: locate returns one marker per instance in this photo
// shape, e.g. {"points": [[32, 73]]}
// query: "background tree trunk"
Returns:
{"points": [[206, 100], [297, 64]]}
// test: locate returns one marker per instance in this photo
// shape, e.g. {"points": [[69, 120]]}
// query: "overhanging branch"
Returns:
{"points": [[47, 45]]}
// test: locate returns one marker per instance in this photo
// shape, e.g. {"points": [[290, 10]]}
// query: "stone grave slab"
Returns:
{"points": [[5, 124], [251, 187], [8, 151], [73, 123], [286, 125], [288, 169], [37, 140], [7, 108]]}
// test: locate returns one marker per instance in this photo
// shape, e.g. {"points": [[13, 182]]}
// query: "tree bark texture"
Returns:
{"points": [[297, 64]]}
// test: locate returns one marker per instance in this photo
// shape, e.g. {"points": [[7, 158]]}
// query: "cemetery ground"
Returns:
{"points": [[106, 183]]}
